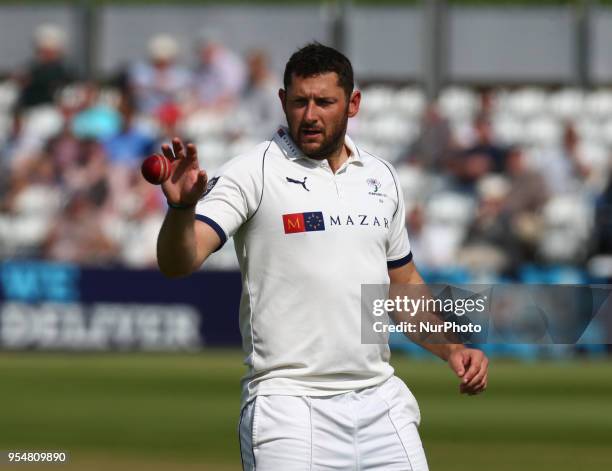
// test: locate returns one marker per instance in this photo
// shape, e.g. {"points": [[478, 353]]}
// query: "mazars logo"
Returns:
{"points": [[315, 221], [359, 220], [303, 222]]}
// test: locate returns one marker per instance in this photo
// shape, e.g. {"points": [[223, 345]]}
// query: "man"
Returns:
{"points": [[159, 82], [313, 218], [48, 72], [220, 76]]}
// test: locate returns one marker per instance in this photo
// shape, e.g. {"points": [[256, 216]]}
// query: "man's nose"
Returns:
{"points": [[310, 114]]}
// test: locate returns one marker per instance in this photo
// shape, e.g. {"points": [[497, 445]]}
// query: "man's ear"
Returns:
{"points": [[282, 94], [354, 102]]}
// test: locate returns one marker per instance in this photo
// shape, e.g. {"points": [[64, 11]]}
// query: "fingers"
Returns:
{"points": [[470, 373], [167, 151], [479, 376], [176, 150], [456, 363], [476, 389], [476, 359], [480, 387], [476, 377], [177, 147], [192, 152], [201, 182]]}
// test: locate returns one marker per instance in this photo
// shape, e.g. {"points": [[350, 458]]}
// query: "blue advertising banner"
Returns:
{"points": [[65, 307]]}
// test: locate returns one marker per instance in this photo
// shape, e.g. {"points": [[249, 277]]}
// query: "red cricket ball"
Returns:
{"points": [[156, 169]]}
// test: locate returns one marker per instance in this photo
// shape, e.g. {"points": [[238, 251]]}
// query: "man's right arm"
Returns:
{"points": [[184, 243]]}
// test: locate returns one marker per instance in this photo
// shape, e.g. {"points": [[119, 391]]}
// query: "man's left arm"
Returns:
{"points": [[469, 364]]}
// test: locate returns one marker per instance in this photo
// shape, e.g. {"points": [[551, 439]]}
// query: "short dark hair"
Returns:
{"points": [[314, 59]]}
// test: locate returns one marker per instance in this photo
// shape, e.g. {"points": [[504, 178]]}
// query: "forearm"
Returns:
{"points": [[406, 282], [434, 340], [442, 351], [177, 253]]}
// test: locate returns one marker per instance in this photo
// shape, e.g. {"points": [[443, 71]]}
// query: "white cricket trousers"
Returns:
{"points": [[373, 429]]}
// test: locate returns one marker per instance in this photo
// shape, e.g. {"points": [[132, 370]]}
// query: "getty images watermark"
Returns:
{"points": [[417, 310], [488, 314]]}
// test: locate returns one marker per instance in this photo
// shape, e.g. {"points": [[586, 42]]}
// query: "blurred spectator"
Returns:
{"points": [[528, 189], [487, 102], [134, 222], [485, 144], [31, 203], [35, 117], [63, 150], [440, 225], [524, 204], [259, 112], [89, 172], [435, 142], [47, 73], [35, 188], [469, 166], [489, 245], [132, 143], [220, 76], [508, 225], [160, 80], [125, 152], [95, 120], [563, 168], [31, 132], [77, 235]]}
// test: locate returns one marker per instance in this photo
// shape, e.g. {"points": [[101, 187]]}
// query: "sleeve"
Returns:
{"points": [[398, 245], [231, 197]]}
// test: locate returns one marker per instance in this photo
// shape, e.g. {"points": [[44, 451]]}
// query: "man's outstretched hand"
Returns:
{"points": [[187, 181], [471, 366]]}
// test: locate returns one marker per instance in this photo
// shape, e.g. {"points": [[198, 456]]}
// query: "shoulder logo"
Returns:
{"points": [[211, 184]]}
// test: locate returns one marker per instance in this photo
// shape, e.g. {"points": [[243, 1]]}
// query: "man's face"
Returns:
{"points": [[317, 112]]}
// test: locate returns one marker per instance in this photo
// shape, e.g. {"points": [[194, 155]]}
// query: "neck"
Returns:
{"points": [[337, 158]]}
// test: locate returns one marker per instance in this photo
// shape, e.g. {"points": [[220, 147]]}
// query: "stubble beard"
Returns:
{"points": [[329, 146]]}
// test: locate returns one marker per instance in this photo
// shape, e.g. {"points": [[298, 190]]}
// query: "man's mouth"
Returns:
{"points": [[310, 132]]}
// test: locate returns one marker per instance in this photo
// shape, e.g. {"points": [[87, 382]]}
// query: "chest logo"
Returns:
{"points": [[303, 222], [302, 183], [374, 185]]}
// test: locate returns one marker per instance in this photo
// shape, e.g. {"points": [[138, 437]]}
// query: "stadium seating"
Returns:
{"points": [[390, 119]]}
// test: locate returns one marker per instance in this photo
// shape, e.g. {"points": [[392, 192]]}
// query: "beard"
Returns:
{"points": [[331, 142]]}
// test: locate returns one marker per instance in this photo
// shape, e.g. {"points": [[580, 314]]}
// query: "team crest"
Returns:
{"points": [[375, 187], [374, 184]]}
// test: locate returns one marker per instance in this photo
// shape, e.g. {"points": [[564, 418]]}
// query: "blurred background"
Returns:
{"points": [[496, 114]]}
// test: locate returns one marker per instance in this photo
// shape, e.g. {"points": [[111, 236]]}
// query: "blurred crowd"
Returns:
{"points": [[71, 149], [498, 195], [496, 181]]}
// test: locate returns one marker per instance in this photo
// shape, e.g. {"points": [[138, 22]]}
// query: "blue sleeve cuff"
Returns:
{"points": [[401, 262], [216, 227]]}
